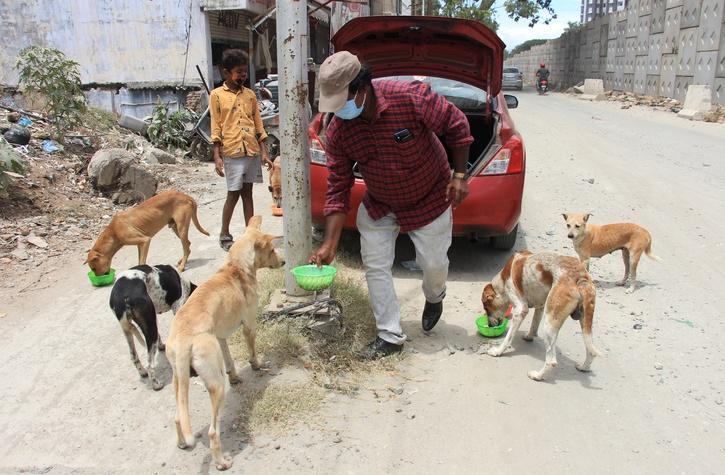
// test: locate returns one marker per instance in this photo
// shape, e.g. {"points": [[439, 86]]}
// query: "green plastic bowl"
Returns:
{"points": [[101, 280], [313, 278], [491, 332]]}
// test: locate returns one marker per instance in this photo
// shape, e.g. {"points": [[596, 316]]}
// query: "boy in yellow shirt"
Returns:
{"points": [[238, 137]]}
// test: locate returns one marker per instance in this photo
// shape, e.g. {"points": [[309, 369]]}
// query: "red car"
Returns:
{"points": [[462, 60]]}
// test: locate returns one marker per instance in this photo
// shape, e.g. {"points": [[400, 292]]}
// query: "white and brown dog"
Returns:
{"points": [[591, 240], [139, 294], [556, 287], [197, 340]]}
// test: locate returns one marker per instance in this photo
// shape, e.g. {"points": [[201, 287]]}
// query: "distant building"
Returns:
{"points": [[591, 9]]}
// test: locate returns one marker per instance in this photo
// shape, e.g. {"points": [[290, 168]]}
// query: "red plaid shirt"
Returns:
{"points": [[408, 179]]}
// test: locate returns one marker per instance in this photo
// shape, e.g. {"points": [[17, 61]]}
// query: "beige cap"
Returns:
{"points": [[336, 74]]}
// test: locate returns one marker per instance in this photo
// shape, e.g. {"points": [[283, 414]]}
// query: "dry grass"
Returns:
{"points": [[280, 406], [333, 363]]}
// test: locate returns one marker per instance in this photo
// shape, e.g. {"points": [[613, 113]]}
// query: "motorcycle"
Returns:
{"points": [[543, 86]]}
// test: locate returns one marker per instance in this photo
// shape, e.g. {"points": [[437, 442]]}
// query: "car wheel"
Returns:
{"points": [[505, 242]]}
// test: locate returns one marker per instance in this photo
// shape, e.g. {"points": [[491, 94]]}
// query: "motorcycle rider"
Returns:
{"points": [[541, 73]]}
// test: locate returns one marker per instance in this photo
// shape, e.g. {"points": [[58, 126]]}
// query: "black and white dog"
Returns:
{"points": [[138, 295]]}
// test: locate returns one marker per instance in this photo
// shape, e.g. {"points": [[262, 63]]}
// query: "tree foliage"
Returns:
{"points": [[48, 73], [170, 129], [527, 45], [534, 11]]}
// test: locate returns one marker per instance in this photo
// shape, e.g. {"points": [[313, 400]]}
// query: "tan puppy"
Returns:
{"points": [[591, 240], [556, 287], [197, 339], [136, 227], [275, 182]]}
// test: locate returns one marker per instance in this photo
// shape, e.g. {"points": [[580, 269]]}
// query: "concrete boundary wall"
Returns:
{"points": [[654, 47]]}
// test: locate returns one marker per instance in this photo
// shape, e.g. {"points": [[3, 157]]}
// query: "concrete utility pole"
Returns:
{"points": [[292, 49]]}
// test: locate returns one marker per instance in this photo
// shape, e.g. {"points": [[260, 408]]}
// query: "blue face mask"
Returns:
{"points": [[350, 110]]}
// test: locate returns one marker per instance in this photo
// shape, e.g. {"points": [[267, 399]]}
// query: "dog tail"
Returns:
{"points": [[587, 304], [182, 370], [195, 218], [649, 253]]}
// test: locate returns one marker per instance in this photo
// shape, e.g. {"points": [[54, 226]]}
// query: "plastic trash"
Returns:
{"points": [[17, 135], [25, 121], [50, 146]]}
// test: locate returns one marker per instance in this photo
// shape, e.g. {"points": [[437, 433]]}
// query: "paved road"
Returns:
{"points": [[72, 403]]}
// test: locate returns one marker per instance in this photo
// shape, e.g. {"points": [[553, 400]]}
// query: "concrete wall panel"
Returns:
{"points": [[630, 52], [711, 24], [674, 3], [640, 75], [686, 50], [632, 13], [643, 26], [645, 7], [672, 30], [681, 85], [690, 13], [628, 83], [610, 56], [668, 75], [658, 17], [705, 66], [718, 91], [654, 55], [720, 72], [653, 86]]}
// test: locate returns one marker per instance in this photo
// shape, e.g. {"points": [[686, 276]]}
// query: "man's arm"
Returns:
{"points": [[337, 201]]}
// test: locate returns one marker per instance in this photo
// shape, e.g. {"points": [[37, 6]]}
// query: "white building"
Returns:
{"points": [[591, 9]]}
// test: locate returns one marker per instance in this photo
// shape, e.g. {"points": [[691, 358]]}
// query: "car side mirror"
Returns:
{"points": [[511, 101]]}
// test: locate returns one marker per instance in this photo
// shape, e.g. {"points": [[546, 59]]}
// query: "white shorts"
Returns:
{"points": [[242, 170]]}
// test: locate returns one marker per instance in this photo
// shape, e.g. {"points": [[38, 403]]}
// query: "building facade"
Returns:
{"points": [[591, 9]]}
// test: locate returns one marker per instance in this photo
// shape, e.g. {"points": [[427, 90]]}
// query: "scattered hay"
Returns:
{"points": [[280, 406]]}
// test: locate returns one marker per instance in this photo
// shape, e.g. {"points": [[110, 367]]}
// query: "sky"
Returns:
{"points": [[513, 33]]}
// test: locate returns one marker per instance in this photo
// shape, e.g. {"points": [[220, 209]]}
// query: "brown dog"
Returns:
{"points": [[591, 240], [556, 287], [197, 339], [275, 182], [136, 227]]}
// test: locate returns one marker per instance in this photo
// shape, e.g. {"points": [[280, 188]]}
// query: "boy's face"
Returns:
{"points": [[238, 74]]}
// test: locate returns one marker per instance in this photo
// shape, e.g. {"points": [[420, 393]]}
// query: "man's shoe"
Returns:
{"points": [[431, 314], [379, 349]]}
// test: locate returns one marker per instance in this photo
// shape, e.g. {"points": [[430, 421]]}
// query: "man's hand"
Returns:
{"points": [[456, 191], [219, 166], [324, 255]]}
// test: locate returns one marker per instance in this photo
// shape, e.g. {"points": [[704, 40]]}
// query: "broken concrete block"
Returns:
{"points": [[698, 102], [139, 183], [156, 155], [592, 90]]}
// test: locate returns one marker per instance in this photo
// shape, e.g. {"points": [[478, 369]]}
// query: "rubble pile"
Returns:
{"points": [[57, 207], [630, 99], [716, 115]]}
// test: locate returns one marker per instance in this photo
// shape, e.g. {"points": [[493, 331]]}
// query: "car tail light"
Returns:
{"points": [[317, 150], [508, 160]]}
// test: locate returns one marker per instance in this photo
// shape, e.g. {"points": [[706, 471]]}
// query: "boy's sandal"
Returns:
{"points": [[226, 241]]}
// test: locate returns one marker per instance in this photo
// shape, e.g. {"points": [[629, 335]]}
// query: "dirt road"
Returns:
{"points": [[70, 401]]}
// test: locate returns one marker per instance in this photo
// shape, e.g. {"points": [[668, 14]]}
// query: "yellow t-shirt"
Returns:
{"points": [[236, 121]]}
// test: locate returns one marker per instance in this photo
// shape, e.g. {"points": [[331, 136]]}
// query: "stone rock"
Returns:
{"points": [[19, 254], [139, 183], [37, 241], [107, 167], [698, 102], [13, 117], [155, 155]]}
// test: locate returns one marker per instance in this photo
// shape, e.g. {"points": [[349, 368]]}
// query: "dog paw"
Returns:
{"points": [[581, 367], [629, 290], [162, 347], [186, 444], [494, 351], [528, 337], [622, 283], [143, 373], [234, 379], [256, 365], [224, 464], [536, 375], [157, 385]]}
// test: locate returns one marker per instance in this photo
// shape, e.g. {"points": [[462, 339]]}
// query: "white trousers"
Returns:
{"points": [[377, 248]]}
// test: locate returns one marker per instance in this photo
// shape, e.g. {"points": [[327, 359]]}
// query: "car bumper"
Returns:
{"points": [[492, 208], [512, 84]]}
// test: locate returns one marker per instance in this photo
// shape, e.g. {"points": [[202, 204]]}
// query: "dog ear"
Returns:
{"points": [[566, 216], [586, 217], [255, 222], [488, 293], [277, 241]]}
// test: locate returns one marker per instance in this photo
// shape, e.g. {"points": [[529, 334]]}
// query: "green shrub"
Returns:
{"points": [[169, 129]]}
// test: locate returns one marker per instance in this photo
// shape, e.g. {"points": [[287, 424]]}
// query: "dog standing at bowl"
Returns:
{"points": [[199, 332], [556, 287], [140, 294], [591, 240]]}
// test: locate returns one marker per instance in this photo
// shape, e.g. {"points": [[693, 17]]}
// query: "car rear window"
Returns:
{"points": [[511, 70], [461, 95]]}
